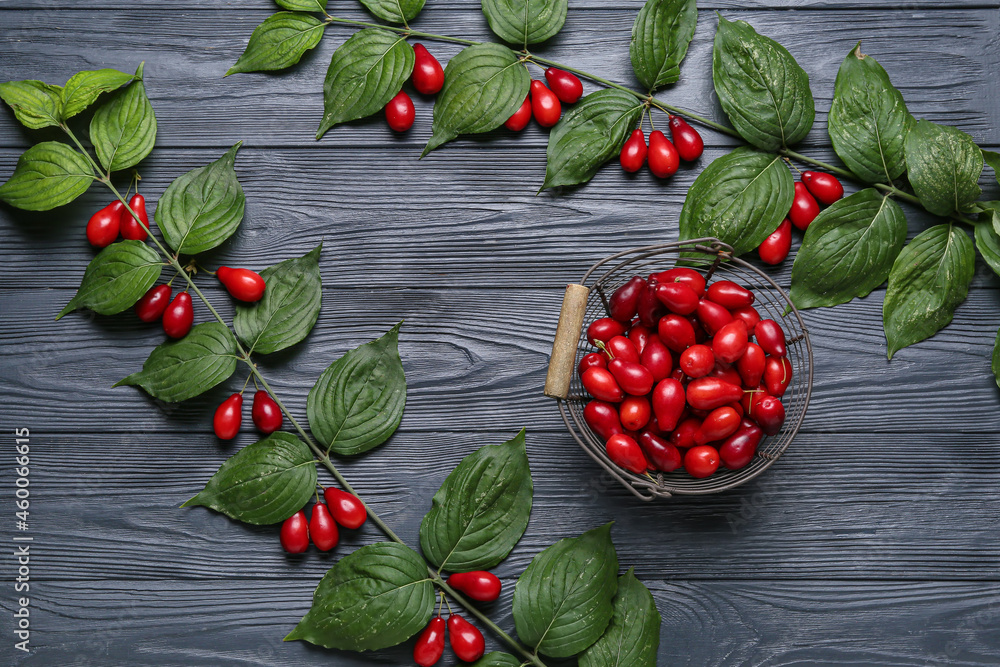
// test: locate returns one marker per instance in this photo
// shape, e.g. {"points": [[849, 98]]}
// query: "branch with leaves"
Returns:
{"points": [[853, 247], [570, 601]]}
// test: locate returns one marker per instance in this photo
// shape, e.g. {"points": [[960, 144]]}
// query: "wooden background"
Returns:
{"points": [[873, 541]]}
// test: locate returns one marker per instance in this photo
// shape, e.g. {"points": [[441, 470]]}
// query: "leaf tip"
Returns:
{"points": [[138, 70]]}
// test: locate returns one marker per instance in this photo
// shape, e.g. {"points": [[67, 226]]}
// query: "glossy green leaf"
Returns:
{"points": [[394, 11], [123, 129], [481, 510], [524, 22], [944, 167], [740, 199], [302, 5], [116, 278], [497, 659], [761, 88], [357, 403], [289, 308], [376, 597], [848, 250], [995, 365], [590, 134], [83, 88], [365, 73], [562, 602], [660, 37], [483, 86], [263, 483], [47, 175], [993, 159], [35, 104], [929, 279], [279, 42], [988, 237], [868, 120], [202, 208], [633, 636], [181, 369]]}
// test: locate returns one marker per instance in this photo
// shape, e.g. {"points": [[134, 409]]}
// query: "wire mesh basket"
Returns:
{"points": [[588, 301]]}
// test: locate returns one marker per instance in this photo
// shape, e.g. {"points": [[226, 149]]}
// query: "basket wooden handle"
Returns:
{"points": [[566, 341]]}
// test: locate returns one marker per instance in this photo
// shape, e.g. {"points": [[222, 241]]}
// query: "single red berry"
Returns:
{"points": [[633, 154], [295, 533], [178, 316], [347, 509], [242, 284], [544, 105], [521, 117], [466, 641], [103, 226], [428, 77], [701, 461], [775, 247], [804, 208], [624, 451], [430, 644], [689, 143], [153, 303], [322, 528], [663, 158], [228, 417], [824, 187], [481, 586], [131, 229], [565, 86], [399, 112], [265, 413]]}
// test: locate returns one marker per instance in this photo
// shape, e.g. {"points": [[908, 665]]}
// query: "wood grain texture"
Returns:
{"points": [[873, 540]]}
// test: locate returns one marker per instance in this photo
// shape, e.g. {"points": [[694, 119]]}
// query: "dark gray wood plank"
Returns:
{"points": [[760, 622], [468, 217], [818, 513], [482, 354], [186, 54]]}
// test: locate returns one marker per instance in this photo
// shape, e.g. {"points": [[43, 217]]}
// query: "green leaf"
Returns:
{"points": [[483, 86], [993, 159], [202, 208], [848, 250], [524, 22], [660, 37], [365, 73], [995, 366], [928, 280], [944, 167], [47, 175], [36, 104], [376, 597], [123, 129], [83, 88], [562, 602], [116, 278], [302, 5], [988, 238], [868, 120], [263, 483], [497, 659], [181, 369], [279, 42], [760, 86], [481, 510], [394, 11], [740, 199], [357, 403], [633, 636], [289, 308], [590, 134]]}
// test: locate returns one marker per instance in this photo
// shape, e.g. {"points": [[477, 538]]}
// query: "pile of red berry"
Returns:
{"points": [[664, 157], [714, 405], [814, 188], [466, 640], [341, 508]]}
